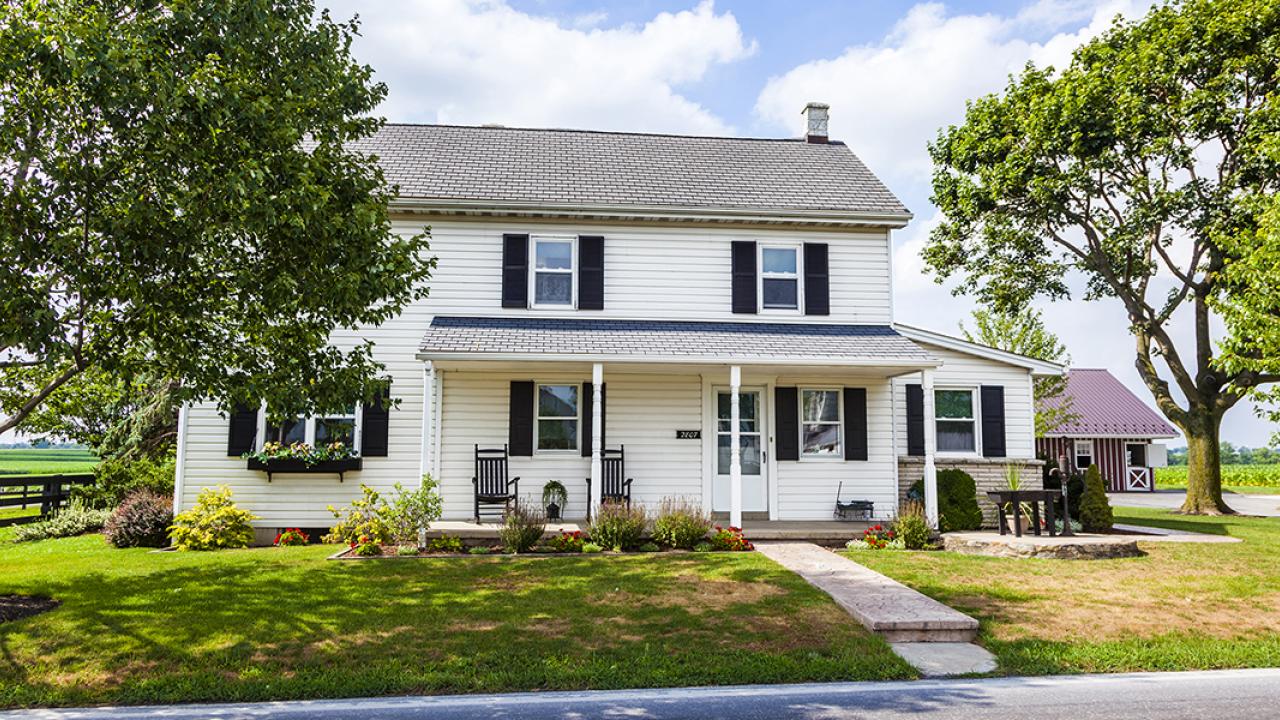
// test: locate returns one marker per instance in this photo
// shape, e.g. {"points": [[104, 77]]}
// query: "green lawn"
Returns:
{"points": [[141, 627], [1182, 607], [46, 461]]}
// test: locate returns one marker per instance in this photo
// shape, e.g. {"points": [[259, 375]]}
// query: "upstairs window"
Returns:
{"points": [[553, 272], [780, 278], [954, 411], [557, 420]]}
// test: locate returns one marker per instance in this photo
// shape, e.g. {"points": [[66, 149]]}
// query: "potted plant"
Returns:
{"points": [[554, 498], [1013, 478]]}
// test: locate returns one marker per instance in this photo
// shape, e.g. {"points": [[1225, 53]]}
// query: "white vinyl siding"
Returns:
{"points": [[962, 370]]}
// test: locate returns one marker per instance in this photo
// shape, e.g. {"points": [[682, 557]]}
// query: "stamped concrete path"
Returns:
{"points": [[934, 638]]}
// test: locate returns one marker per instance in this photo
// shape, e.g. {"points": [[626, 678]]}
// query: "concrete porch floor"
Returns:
{"points": [[821, 532]]}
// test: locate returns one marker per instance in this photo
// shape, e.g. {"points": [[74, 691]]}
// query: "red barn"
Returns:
{"points": [[1112, 429]]}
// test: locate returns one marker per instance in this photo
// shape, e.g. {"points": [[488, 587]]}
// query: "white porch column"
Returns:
{"points": [[597, 433], [930, 448], [735, 447], [425, 460]]}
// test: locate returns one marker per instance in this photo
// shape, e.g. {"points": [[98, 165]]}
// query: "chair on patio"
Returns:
{"points": [[491, 481], [615, 486]]}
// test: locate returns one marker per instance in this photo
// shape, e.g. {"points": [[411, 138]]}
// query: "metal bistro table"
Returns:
{"points": [[1015, 499]]}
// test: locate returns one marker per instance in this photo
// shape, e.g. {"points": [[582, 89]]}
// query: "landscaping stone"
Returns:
{"points": [[942, 659], [885, 606], [1078, 547]]}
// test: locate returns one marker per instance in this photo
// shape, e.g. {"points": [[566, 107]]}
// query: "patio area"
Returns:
{"points": [[827, 533]]}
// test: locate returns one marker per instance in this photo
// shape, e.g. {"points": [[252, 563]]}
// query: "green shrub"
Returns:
{"points": [[1095, 510], [414, 509], [142, 520], [567, 542], [591, 548], [368, 547], [407, 550], [480, 550], [213, 523], [957, 500], [76, 518], [114, 480], [368, 515], [649, 548], [912, 526], [445, 544], [617, 526], [703, 546], [522, 527], [730, 539], [680, 524]]}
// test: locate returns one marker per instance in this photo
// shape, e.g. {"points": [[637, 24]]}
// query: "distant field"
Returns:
{"points": [[30, 461], [1257, 476]]}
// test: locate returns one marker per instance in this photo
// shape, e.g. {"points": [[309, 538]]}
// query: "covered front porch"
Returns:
{"points": [[756, 421]]}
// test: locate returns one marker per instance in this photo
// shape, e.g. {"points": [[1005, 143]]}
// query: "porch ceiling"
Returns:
{"points": [[670, 342]]}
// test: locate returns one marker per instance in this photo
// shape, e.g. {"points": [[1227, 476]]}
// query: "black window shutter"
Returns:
{"points": [[817, 295], [787, 411], [520, 423], [855, 423], [744, 276], [375, 423], [242, 433], [590, 272], [515, 271], [588, 402], [992, 400], [915, 420]]}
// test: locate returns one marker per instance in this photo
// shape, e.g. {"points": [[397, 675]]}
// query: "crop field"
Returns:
{"points": [[1264, 476], [45, 461]]}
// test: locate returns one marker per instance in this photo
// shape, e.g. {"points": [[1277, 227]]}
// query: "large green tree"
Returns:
{"points": [[1024, 332], [178, 200], [1141, 167]]}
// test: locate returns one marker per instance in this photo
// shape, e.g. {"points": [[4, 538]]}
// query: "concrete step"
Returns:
{"points": [[883, 605]]}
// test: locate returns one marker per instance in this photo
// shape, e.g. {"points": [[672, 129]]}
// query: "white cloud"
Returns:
{"points": [[481, 61], [889, 99]]}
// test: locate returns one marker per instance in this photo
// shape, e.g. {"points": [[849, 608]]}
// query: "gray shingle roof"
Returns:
{"points": [[586, 168], [837, 344]]}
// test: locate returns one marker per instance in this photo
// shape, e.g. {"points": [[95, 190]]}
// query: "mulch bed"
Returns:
{"points": [[15, 607]]}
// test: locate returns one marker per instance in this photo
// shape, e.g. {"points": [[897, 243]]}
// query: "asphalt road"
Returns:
{"points": [[1163, 696], [1172, 499]]}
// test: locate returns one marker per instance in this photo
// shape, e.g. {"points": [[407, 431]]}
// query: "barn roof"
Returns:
{"points": [[1104, 407]]}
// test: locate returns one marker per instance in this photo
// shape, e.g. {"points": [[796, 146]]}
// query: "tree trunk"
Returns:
{"points": [[1204, 471]]}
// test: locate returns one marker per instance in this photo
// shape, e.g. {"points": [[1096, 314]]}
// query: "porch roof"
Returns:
{"points": [[746, 343]]}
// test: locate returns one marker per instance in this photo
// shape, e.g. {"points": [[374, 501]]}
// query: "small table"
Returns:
{"points": [[1015, 498]]}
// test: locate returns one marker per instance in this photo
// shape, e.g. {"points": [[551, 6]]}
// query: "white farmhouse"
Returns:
{"points": [[707, 317]]}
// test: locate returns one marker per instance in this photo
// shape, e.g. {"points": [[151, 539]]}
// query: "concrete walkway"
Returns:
{"points": [[931, 636]]}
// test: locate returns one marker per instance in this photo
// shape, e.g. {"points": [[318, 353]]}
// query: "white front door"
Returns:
{"points": [[751, 420]]}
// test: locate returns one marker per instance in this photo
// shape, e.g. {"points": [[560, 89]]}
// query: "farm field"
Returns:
{"points": [[45, 461], [1236, 478]]}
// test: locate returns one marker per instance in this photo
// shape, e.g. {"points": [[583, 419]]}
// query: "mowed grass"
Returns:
{"points": [[1182, 607], [45, 461], [143, 627]]}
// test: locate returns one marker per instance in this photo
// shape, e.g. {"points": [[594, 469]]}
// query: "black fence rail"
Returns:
{"points": [[47, 492]]}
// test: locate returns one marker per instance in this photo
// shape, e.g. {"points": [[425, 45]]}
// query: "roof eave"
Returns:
{"points": [[1036, 366], [809, 361], [450, 206]]}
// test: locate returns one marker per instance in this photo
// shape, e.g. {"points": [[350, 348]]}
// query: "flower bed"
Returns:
{"points": [[566, 543]]}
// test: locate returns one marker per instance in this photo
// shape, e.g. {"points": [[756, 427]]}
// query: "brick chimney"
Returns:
{"points": [[815, 115]]}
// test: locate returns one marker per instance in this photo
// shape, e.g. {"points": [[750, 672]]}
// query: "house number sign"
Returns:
{"points": [[688, 434]]}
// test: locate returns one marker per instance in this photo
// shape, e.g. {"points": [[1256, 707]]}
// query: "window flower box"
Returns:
{"points": [[297, 465]]}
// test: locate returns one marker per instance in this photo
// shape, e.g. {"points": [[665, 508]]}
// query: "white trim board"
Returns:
{"points": [[1037, 367]]}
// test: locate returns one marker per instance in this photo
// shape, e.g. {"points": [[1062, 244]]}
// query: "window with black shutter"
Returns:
{"points": [[787, 417], [992, 409], [817, 299], [855, 423], [590, 272], [376, 423], [915, 420], [743, 261], [242, 432], [515, 271]]}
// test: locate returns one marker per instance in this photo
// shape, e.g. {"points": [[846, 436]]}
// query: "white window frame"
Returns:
{"points": [[538, 417], [838, 455], [572, 272], [761, 276], [1093, 458], [974, 408], [309, 427]]}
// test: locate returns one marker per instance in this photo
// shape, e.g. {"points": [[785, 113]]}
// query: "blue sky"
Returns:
{"points": [[893, 72]]}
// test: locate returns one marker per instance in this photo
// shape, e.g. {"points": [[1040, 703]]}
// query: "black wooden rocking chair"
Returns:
{"points": [[492, 486], [615, 486]]}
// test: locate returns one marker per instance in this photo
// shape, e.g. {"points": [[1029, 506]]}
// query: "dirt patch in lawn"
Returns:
{"points": [[694, 594], [16, 607]]}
